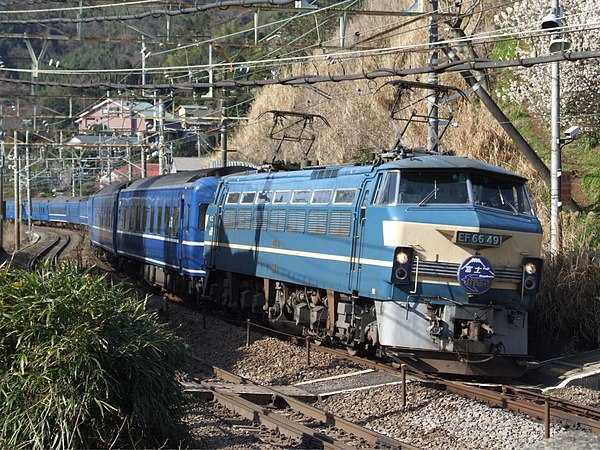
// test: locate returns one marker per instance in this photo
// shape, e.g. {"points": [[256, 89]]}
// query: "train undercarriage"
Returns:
{"points": [[339, 320]]}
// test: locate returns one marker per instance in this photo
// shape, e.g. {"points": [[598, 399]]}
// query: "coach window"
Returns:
{"points": [[167, 220], [133, 218], [264, 197], [152, 214], [232, 198], [282, 197], [388, 191], [202, 215], [159, 220], [300, 197], [145, 218], [248, 198], [124, 224], [321, 197], [344, 196], [175, 220]]}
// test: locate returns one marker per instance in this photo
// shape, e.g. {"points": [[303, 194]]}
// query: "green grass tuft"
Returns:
{"points": [[84, 365]]}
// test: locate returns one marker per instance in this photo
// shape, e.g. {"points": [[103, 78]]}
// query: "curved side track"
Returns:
{"points": [[47, 245]]}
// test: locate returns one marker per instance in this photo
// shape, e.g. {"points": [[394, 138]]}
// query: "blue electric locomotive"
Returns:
{"points": [[431, 258]]}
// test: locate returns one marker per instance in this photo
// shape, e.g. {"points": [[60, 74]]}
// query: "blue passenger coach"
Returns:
{"points": [[436, 254], [161, 223], [156, 224]]}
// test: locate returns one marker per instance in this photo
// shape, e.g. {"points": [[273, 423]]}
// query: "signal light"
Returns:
{"points": [[402, 265]]}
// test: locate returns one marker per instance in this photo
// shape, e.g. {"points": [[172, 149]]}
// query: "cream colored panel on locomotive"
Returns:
{"points": [[434, 242]]}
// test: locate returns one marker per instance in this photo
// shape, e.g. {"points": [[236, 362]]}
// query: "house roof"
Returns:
{"points": [[123, 171], [141, 108], [102, 139], [184, 164]]}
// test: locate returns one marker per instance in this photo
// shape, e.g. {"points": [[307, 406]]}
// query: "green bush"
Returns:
{"points": [[84, 365]]}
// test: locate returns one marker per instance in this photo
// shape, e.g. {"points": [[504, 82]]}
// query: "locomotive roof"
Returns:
{"points": [[447, 163], [421, 162]]}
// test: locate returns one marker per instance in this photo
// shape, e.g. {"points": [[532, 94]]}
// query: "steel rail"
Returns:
{"points": [[45, 248], [372, 437], [274, 421], [530, 403], [511, 398], [58, 249]]}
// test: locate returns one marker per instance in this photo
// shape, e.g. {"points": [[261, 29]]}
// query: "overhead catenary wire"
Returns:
{"points": [[339, 55], [461, 65]]}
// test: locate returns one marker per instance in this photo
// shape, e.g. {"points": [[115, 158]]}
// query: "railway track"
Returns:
{"points": [[299, 420], [46, 245], [528, 401]]}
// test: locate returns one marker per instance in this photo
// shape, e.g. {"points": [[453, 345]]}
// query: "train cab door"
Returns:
{"points": [[358, 231]]}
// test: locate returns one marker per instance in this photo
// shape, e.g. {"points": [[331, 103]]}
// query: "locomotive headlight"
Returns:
{"points": [[402, 257], [530, 268], [532, 273], [402, 265]]}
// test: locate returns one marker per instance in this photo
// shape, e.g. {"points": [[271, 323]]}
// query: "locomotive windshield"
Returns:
{"points": [[500, 193], [454, 187]]}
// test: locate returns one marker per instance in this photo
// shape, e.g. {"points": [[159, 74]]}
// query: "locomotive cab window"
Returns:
{"points": [[388, 189], [501, 193], [425, 187]]}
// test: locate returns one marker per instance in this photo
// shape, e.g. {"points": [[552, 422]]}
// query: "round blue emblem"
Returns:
{"points": [[475, 275]]}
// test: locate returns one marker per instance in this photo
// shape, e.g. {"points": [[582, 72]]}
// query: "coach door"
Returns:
{"points": [[358, 231], [214, 225], [179, 213]]}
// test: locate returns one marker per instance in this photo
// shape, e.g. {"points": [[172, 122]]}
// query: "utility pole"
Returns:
{"points": [[223, 129], [17, 195], [28, 183], [432, 113], [552, 22], [35, 65], [143, 161], [2, 205], [161, 137]]}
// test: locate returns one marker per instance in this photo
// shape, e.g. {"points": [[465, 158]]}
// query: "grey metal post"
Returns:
{"points": [[161, 137], [223, 131], [555, 166], [28, 182], [433, 128], [129, 164], [17, 195], [2, 208], [143, 161]]}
